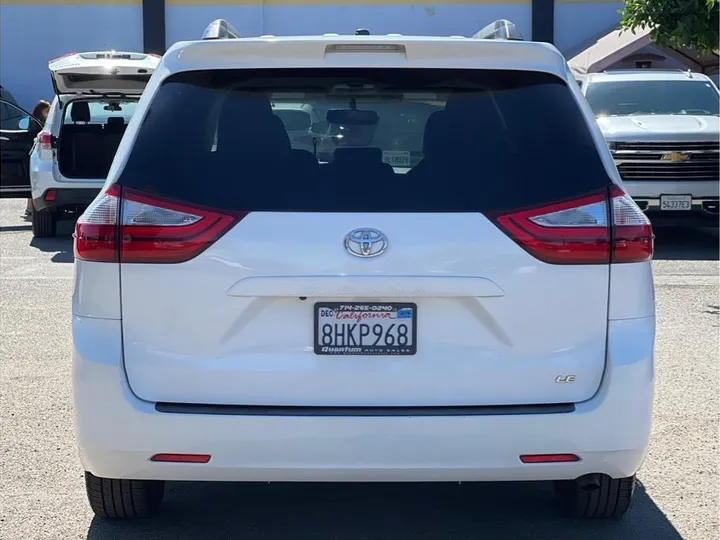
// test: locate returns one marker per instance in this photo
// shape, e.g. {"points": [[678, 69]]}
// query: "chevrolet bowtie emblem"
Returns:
{"points": [[676, 157]]}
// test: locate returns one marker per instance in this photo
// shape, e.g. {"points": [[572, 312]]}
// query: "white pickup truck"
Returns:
{"points": [[663, 130]]}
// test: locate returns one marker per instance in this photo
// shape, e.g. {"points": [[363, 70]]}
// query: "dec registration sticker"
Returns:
{"points": [[371, 328]]}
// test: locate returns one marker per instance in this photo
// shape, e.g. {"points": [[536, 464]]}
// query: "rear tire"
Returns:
{"points": [[123, 499], [611, 499], [44, 223]]}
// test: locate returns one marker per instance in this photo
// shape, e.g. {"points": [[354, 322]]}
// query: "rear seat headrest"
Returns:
{"points": [[115, 121], [80, 111], [437, 134]]}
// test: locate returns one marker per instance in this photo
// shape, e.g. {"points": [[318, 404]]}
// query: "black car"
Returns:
{"points": [[17, 135]]}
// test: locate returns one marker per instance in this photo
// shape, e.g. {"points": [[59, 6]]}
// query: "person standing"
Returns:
{"points": [[40, 112]]}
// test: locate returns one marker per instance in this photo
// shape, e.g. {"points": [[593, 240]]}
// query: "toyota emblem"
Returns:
{"points": [[366, 243]]}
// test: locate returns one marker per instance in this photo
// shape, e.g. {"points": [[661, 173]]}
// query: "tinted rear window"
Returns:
{"points": [[382, 140]]}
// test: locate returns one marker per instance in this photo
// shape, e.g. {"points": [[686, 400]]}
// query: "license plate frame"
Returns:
{"points": [[362, 349], [675, 203]]}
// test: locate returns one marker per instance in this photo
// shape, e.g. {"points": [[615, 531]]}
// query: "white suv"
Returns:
{"points": [[244, 312], [95, 97]]}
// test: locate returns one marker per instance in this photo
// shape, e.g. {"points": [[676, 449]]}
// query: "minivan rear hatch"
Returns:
{"points": [[108, 72], [253, 275]]}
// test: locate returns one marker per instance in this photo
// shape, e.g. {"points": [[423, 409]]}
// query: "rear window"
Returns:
{"points": [[100, 111], [384, 140]]}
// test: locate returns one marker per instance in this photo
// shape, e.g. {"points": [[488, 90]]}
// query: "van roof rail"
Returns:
{"points": [[220, 29], [500, 29]]}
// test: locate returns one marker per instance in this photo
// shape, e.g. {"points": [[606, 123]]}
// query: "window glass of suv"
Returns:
{"points": [[100, 111], [393, 140], [14, 119], [621, 98]]}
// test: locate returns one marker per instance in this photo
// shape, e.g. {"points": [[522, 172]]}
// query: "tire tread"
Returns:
{"points": [[111, 498], [44, 223], [611, 499]]}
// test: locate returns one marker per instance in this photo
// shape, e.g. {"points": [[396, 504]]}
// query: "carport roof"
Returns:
{"points": [[611, 46]]}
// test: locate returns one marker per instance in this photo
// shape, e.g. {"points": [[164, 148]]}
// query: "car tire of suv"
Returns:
{"points": [[610, 499], [44, 223], [123, 499]]}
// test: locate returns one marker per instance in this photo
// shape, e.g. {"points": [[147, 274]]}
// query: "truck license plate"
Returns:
{"points": [[675, 202]]}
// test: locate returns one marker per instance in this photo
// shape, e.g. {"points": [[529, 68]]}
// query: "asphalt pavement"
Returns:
{"points": [[41, 485]]}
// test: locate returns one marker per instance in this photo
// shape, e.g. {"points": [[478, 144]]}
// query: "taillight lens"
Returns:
{"points": [[586, 230], [131, 227], [96, 237], [45, 140], [633, 238]]}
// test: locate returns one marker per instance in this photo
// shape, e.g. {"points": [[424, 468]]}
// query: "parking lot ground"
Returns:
{"points": [[41, 488]]}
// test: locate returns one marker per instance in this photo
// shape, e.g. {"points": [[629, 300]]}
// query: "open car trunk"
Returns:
{"points": [[98, 91], [90, 135]]}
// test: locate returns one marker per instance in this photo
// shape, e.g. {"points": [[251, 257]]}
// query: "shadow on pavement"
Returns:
{"points": [[378, 511], [15, 228], [686, 244], [61, 246]]}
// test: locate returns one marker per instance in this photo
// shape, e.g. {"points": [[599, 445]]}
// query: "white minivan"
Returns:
{"points": [[96, 94], [244, 311]]}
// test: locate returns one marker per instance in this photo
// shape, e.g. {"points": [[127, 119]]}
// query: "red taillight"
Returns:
{"points": [[138, 228], [549, 458], [579, 231], [45, 140], [50, 195], [181, 458]]}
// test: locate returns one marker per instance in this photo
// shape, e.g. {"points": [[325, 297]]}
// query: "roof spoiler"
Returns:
{"points": [[220, 29], [500, 29]]}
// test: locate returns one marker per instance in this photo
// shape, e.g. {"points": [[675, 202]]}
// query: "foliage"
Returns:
{"points": [[676, 23]]}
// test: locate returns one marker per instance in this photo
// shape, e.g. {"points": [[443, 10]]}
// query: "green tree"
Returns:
{"points": [[676, 23]]}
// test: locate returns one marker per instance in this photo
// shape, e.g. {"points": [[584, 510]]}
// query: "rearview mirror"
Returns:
{"points": [[352, 117], [24, 123]]}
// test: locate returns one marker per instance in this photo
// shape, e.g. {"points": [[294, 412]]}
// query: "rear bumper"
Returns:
{"points": [[65, 198], [117, 433], [705, 201]]}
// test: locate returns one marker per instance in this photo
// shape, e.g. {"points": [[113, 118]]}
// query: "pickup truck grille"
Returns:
{"points": [[667, 160]]}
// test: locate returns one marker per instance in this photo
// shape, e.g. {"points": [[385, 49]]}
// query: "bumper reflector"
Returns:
{"points": [[181, 458], [549, 458]]}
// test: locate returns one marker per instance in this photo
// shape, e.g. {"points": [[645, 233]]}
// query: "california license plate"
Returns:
{"points": [[369, 328], [675, 202]]}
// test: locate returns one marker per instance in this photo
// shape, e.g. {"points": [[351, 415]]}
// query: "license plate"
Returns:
{"points": [[675, 202], [396, 158], [371, 328]]}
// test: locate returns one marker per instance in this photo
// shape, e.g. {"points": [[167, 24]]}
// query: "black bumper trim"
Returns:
{"points": [[66, 198], [270, 410]]}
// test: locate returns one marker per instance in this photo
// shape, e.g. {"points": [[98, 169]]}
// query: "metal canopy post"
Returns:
{"points": [[153, 17], [543, 20]]}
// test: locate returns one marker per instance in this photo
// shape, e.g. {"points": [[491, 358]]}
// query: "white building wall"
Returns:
{"points": [[34, 31]]}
